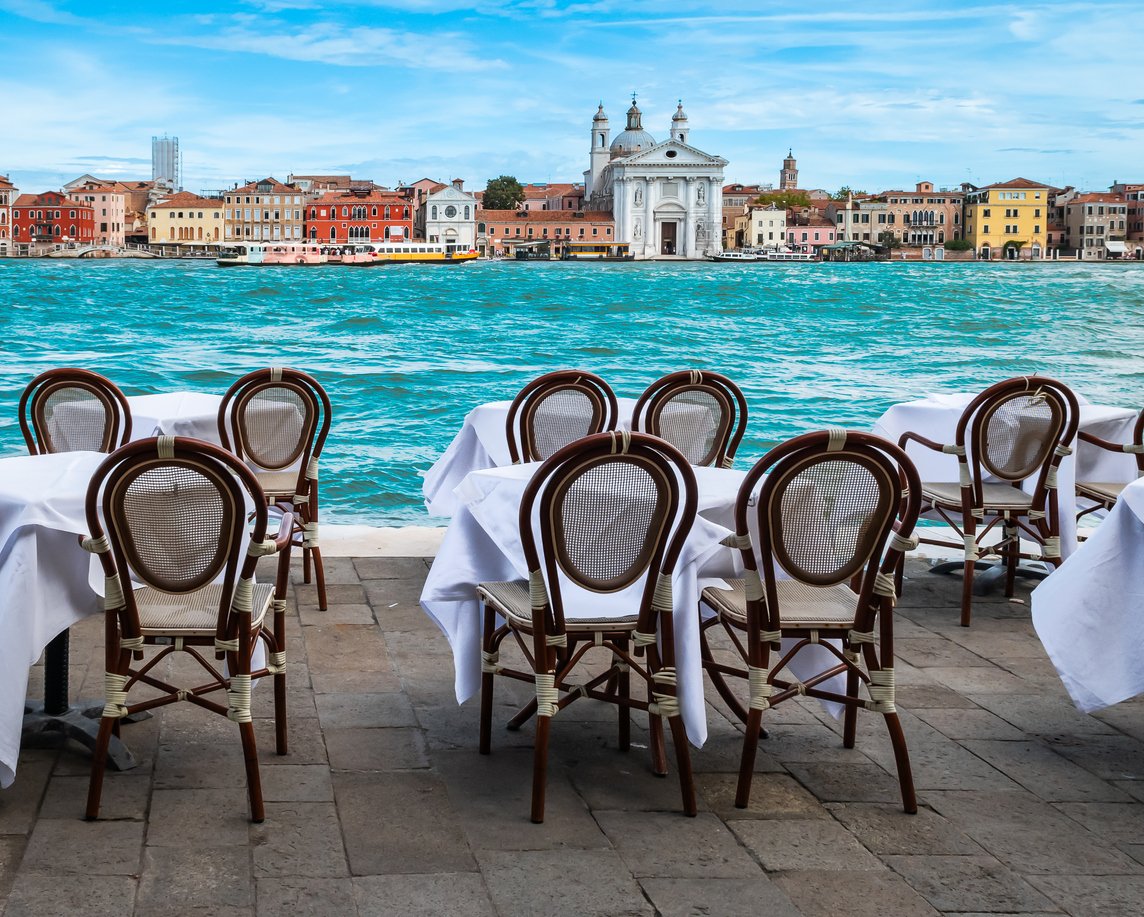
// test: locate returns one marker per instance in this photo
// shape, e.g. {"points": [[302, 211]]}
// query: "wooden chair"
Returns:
{"points": [[168, 519], [702, 414], [556, 409], [828, 505], [1014, 431], [73, 410], [612, 512], [277, 421], [1104, 494]]}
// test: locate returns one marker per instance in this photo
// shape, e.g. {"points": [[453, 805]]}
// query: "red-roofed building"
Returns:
{"points": [[359, 216], [1096, 227], [51, 218], [500, 231], [8, 193], [109, 208], [266, 210], [808, 229], [1134, 200]]}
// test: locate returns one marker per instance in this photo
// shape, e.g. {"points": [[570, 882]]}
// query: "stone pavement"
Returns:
{"points": [[383, 805]]}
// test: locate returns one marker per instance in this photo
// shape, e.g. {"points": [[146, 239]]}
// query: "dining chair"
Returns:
{"points": [[73, 410], [701, 413], [168, 521], [1104, 494], [1015, 432], [834, 512], [602, 524], [556, 409], [277, 420]]}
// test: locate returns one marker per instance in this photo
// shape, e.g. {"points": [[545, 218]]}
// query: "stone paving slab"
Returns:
{"points": [[383, 805]]}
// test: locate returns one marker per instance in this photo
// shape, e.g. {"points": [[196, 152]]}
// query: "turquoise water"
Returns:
{"points": [[406, 351]]}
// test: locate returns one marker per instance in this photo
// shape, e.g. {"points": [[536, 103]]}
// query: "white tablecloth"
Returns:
{"points": [[481, 443], [45, 576], [193, 414], [935, 417], [1089, 613], [482, 544]]}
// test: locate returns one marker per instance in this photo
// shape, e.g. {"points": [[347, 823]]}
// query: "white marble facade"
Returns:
{"points": [[666, 197]]}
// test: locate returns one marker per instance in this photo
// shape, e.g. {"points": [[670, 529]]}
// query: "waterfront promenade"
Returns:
{"points": [[384, 806]]}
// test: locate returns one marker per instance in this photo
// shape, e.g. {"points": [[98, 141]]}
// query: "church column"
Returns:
{"points": [[715, 216]]}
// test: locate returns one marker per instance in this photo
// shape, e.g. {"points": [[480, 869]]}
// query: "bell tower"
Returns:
{"points": [[788, 177], [600, 152], [679, 126]]}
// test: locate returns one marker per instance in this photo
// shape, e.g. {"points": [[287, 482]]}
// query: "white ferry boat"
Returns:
{"points": [[361, 253], [789, 256], [732, 256]]}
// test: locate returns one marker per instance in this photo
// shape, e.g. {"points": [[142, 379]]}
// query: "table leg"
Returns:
{"points": [[56, 715], [989, 575]]}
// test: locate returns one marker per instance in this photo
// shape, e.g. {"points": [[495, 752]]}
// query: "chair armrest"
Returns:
{"points": [[918, 438], [285, 532], [1104, 443]]}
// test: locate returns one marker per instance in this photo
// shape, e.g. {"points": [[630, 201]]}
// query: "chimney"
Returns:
{"points": [[459, 184]]}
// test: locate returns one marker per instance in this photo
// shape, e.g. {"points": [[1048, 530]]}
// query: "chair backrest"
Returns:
{"points": [[834, 506], [703, 414], [174, 513], [556, 409], [275, 418], [613, 510], [73, 410], [1017, 429]]}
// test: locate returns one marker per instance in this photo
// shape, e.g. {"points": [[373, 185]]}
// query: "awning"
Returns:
{"points": [[1116, 247]]}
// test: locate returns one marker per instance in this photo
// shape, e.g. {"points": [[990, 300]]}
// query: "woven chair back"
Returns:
{"points": [[702, 414], [556, 409], [275, 418], [830, 507], [611, 509], [72, 410], [175, 514], [1015, 427]]}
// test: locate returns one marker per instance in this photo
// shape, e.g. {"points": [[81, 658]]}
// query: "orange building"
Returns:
{"points": [[498, 231], [359, 215], [49, 218]]}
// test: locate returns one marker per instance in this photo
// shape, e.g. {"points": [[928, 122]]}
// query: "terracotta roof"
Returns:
{"points": [[370, 196], [545, 216], [186, 199], [275, 187], [328, 179], [5, 183], [745, 189], [48, 199], [1097, 197], [1015, 183]]}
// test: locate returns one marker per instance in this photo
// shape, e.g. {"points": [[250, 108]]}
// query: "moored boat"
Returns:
{"points": [[734, 257]]}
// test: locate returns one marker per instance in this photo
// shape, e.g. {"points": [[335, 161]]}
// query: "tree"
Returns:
{"points": [[841, 193], [504, 193], [784, 199], [959, 245], [889, 240]]}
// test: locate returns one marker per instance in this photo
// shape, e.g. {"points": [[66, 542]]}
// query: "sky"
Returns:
{"points": [[876, 96]]}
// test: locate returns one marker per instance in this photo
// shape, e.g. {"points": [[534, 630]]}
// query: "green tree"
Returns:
{"points": [[841, 193], [889, 240], [504, 193], [959, 245], [784, 199]]}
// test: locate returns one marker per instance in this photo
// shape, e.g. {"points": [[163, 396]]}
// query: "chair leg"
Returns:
{"points": [[967, 594], [655, 743], [99, 766], [522, 716], [747, 762], [902, 759], [281, 721], [319, 576], [540, 768], [850, 716], [624, 689], [485, 743], [253, 779], [683, 763], [1012, 556]]}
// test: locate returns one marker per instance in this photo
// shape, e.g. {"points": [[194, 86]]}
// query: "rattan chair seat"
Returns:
{"points": [[278, 483], [192, 614], [511, 600], [994, 496], [800, 605], [1102, 491]]}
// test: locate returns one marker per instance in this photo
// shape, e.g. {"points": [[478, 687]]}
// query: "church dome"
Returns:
{"points": [[634, 137]]}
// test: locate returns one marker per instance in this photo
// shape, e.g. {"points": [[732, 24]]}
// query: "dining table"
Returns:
{"points": [[482, 544], [935, 417], [1089, 614]]}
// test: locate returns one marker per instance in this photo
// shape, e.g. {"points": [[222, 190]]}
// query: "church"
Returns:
{"points": [[666, 197]]}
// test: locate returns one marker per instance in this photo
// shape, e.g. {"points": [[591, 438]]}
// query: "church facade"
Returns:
{"points": [[665, 196]]}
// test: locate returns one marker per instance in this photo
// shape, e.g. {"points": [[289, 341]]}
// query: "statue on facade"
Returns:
{"points": [[701, 197], [638, 231], [639, 195]]}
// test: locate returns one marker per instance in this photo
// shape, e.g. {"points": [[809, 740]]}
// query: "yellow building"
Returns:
{"points": [[1008, 220], [185, 219]]}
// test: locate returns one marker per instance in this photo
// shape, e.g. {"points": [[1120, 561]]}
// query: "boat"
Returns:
{"points": [[734, 257], [360, 253], [788, 256], [596, 251]]}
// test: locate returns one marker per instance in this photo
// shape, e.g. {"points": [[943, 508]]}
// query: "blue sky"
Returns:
{"points": [[876, 95]]}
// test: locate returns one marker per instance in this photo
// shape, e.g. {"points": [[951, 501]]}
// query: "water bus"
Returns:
{"points": [[360, 253], [596, 251]]}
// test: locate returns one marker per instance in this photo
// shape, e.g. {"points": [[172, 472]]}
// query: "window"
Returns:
{"points": [[986, 213], [1037, 229], [985, 228]]}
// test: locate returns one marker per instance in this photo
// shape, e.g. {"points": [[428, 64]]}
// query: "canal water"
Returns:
{"points": [[406, 351]]}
